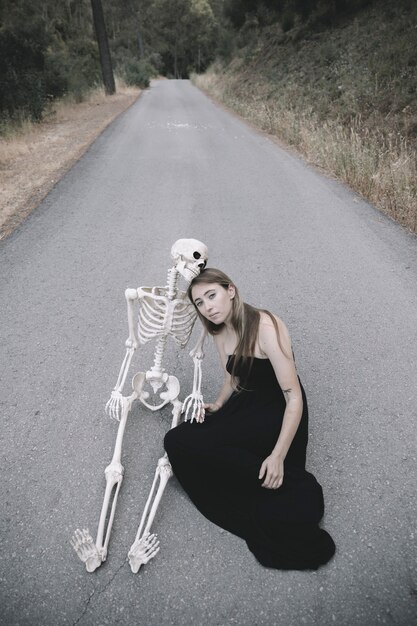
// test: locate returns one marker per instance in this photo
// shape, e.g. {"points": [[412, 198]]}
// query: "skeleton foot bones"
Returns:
{"points": [[84, 545], [162, 313], [142, 551]]}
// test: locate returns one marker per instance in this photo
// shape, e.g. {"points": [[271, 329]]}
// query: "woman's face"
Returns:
{"points": [[213, 301]]}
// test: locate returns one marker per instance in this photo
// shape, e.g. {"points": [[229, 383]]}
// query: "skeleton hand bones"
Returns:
{"points": [[115, 405], [193, 407]]}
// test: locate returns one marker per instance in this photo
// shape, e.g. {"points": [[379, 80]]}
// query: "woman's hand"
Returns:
{"points": [[212, 407], [272, 471]]}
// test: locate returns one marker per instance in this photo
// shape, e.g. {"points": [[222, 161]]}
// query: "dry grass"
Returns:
{"points": [[380, 165], [34, 156]]}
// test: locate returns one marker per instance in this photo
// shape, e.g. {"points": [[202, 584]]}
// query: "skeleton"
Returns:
{"points": [[164, 312]]}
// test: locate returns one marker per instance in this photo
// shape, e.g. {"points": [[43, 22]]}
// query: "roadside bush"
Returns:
{"points": [[57, 70], [226, 45], [36, 68], [155, 59], [287, 20], [83, 68], [137, 73], [22, 83]]}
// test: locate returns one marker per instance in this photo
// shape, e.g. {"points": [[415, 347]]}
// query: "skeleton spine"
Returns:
{"points": [[172, 283], [159, 355], [161, 343]]}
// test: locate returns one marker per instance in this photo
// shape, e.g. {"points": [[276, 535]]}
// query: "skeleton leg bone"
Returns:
{"points": [[94, 553], [146, 545]]}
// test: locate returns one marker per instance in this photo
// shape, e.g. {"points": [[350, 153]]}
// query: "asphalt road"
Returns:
{"points": [[341, 275]]}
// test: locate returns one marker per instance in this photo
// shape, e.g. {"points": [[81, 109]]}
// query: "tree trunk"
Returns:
{"points": [[175, 60], [140, 45], [103, 47]]}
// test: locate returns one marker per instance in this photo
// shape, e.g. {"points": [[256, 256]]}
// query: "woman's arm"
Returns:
{"points": [[272, 468], [227, 389], [225, 392]]}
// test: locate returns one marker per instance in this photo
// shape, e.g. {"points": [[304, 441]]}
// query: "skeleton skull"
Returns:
{"points": [[190, 257]]}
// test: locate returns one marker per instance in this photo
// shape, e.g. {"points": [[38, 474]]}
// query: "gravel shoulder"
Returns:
{"points": [[35, 160]]}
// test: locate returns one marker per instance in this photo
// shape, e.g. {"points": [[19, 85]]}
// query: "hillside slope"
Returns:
{"points": [[345, 96]]}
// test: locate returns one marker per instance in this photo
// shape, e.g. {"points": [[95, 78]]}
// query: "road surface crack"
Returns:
{"points": [[98, 592]]}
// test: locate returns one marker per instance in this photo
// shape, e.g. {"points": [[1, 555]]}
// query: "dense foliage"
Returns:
{"points": [[48, 48], [336, 61], [288, 11]]}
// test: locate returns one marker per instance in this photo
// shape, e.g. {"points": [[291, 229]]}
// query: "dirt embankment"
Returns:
{"points": [[35, 159]]}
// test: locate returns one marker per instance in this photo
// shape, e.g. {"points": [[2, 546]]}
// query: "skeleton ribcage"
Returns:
{"points": [[158, 316]]}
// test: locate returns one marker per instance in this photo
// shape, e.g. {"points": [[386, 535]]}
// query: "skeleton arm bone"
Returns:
{"points": [[193, 404], [132, 341], [197, 352], [131, 295], [116, 403]]}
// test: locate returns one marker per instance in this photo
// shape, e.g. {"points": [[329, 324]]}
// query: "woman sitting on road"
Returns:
{"points": [[244, 465]]}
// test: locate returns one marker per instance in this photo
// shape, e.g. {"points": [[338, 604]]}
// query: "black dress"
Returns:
{"points": [[218, 462]]}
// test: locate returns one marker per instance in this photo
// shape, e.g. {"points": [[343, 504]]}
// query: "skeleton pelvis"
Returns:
{"points": [[170, 392]]}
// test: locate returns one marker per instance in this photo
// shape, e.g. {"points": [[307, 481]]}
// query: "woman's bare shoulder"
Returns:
{"points": [[266, 321], [267, 332]]}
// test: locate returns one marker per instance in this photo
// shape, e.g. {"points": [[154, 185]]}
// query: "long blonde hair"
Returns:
{"points": [[245, 320]]}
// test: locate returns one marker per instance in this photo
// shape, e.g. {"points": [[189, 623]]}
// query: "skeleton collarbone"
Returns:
{"points": [[161, 316]]}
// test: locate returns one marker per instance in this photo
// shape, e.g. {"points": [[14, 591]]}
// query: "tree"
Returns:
{"points": [[103, 46], [201, 28], [185, 32]]}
